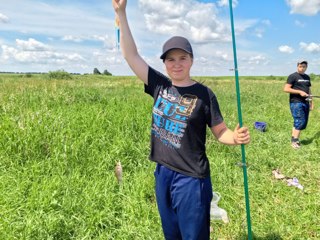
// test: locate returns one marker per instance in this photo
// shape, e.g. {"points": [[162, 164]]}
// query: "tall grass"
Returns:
{"points": [[60, 140]]}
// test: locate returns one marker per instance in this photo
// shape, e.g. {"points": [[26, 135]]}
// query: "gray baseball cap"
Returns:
{"points": [[176, 42]]}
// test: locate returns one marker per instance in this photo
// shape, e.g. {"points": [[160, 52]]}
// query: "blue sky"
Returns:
{"points": [[79, 35]]}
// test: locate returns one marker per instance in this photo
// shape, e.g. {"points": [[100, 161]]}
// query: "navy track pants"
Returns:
{"points": [[183, 204]]}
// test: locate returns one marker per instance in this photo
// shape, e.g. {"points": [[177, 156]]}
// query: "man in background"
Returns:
{"points": [[299, 86]]}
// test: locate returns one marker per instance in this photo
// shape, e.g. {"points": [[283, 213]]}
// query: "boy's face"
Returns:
{"points": [[178, 64], [302, 68]]}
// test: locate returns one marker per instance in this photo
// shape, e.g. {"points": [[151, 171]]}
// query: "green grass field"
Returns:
{"points": [[60, 140]]}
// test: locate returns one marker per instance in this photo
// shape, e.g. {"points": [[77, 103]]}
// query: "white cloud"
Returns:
{"points": [[33, 51], [31, 45], [72, 38], [243, 25], [3, 18], [194, 20], [311, 47], [266, 22], [223, 56], [256, 59], [259, 32], [55, 20], [79, 39], [69, 33], [286, 49], [299, 24], [99, 38], [305, 7]]}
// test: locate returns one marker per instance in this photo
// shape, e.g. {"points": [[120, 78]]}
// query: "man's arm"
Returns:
{"points": [[288, 89], [127, 43]]}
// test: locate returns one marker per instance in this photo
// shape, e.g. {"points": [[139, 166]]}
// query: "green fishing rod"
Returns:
{"points": [[243, 153]]}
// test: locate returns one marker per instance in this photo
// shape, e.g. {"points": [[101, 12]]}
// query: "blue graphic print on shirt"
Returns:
{"points": [[170, 113]]}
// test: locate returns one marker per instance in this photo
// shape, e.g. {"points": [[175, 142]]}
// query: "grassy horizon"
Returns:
{"points": [[60, 140]]}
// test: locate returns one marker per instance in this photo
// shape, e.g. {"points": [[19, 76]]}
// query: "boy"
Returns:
{"points": [[182, 110]]}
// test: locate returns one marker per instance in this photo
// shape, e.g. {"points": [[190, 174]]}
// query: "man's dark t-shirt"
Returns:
{"points": [[299, 82], [179, 119]]}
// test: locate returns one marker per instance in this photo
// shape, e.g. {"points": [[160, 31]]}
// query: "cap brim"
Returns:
{"points": [[163, 55]]}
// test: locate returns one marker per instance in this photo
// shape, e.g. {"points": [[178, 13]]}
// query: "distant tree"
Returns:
{"points": [[27, 75], [59, 74], [271, 77], [96, 71], [106, 72]]}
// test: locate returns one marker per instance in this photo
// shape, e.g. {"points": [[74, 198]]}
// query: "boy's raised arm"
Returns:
{"points": [[127, 43]]}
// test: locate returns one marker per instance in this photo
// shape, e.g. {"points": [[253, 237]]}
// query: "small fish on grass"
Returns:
{"points": [[118, 172]]}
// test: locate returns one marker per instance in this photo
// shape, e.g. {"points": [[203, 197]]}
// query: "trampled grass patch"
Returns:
{"points": [[60, 140]]}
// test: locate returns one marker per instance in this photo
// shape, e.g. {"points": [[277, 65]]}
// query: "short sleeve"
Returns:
{"points": [[213, 113], [291, 79], [155, 80]]}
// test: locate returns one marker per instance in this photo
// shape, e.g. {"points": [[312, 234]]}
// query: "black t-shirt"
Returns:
{"points": [[179, 119], [299, 82]]}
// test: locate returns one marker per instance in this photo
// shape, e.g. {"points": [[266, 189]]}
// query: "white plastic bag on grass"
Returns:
{"points": [[217, 213]]}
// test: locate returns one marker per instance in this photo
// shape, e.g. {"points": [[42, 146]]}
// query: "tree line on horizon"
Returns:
{"points": [[95, 71]]}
